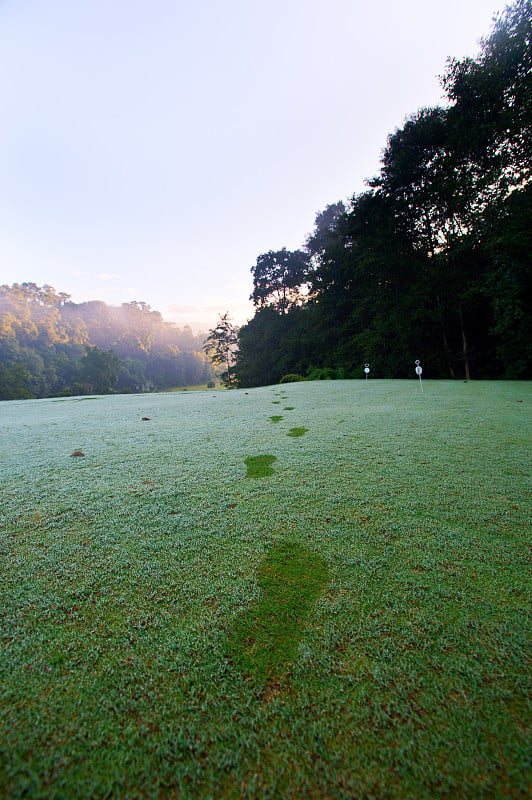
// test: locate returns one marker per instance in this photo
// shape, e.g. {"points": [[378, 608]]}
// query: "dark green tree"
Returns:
{"points": [[491, 105], [433, 261], [325, 225], [278, 278], [14, 383], [273, 344], [508, 248], [435, 210], [221, 345], [100, 369]]}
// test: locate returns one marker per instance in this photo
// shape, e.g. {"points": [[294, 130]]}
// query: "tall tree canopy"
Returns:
{"points": [[278, 278], [433, 261]]}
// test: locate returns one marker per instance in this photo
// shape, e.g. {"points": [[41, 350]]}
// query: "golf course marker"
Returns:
{"points": [[419, 370]]}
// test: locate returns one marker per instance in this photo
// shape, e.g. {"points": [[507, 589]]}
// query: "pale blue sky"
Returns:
{"points": [[152, 150]]}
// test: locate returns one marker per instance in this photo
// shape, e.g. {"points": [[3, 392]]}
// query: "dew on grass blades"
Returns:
{"points": [[146, 579]]}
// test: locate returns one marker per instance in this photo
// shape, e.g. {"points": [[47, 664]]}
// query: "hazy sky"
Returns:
{"points": [[152, 150]]}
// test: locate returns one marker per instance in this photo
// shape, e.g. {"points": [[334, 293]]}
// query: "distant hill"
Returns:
{"points": [[50, 345]]}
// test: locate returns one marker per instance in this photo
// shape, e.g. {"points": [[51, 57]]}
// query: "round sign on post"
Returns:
{"points": [[366, 370], [419, 370]]}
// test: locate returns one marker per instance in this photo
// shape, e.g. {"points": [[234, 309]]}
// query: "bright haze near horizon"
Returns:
{"points": [[151, 151]]}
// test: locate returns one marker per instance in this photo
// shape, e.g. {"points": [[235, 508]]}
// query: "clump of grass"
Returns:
{"points": [[276, 418], [297, 431], [260, 466], [288, 408], [265, 638]]}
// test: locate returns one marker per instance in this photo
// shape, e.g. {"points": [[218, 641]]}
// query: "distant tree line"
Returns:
{"points": [[52, 346], [433, 260]]}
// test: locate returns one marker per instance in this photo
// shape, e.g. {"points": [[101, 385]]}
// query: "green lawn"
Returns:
{"points": [[206, 605]]}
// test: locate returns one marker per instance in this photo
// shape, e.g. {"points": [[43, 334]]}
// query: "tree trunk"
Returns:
{"points": [[446, 347], [465, 344], [447, 351]]}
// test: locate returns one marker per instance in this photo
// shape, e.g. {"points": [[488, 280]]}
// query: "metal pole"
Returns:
{"points": [[419, 370]]}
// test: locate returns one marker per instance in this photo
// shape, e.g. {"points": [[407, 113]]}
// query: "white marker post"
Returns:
{"points": [[419, 370], [366, 370]]}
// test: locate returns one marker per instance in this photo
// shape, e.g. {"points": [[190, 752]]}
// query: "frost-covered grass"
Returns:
{"points": [[126, 575]]}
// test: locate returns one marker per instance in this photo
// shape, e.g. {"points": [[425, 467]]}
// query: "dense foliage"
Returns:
{"points": [[50, 345], [433, 260], [220, 346]]}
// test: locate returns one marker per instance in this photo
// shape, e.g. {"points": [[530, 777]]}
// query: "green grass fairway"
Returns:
{"points": [[350, 622]]}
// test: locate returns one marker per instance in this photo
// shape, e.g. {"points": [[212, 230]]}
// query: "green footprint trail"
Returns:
{"points": [[260, 466], [264, 640], [294, 432]]}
